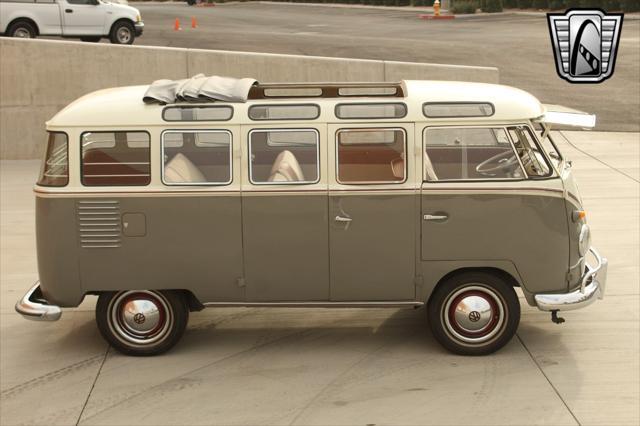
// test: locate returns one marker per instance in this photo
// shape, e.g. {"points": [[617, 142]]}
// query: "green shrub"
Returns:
{"points": [[571, 3], [491, 6], [524, 4], [610, 5], [511, 4], [591, 3], [556, 4], [630, 5], [462, 7], [540, 4]]}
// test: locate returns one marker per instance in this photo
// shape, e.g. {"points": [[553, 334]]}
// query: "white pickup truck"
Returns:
{"points": [[88, 20]]}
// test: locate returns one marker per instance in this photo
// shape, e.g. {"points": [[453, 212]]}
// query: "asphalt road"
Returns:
{"points": [[272, 366], [518, 45]]}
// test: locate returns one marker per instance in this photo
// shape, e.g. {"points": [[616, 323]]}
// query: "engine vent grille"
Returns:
{"points": [[99, 223]]}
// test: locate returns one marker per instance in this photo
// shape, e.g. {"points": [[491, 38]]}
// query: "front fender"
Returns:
{"points": [[117, 12]]}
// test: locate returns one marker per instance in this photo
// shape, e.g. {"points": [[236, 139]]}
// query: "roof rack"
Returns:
{"points": [[326, 90]]}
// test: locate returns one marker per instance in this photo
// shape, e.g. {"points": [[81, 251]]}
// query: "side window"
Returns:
{"points": [[284, 156], [467, 153], [196, 157], [532, 159], [55, 168], [371, 156], [89, 2], [115, 158], [284, 112], [371, 111]]}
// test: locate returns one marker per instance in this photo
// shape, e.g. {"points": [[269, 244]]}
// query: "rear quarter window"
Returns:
{"points": [[55, 167]]}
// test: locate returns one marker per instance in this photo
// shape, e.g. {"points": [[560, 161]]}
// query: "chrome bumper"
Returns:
{"points": [[592, 287], [33, 306]]}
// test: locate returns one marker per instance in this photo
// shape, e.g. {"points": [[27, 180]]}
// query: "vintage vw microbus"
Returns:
{"points": [[440, 194]]}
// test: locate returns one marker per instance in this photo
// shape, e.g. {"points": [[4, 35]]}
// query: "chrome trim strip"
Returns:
{"points": [[381, 304], [34, 307], [592, 286], [133, 194]]}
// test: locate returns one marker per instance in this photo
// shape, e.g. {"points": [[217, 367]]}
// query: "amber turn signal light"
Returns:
{"points": [[579, 215]]}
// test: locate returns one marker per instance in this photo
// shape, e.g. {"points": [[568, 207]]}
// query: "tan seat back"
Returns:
{"points": [[286, 168]]}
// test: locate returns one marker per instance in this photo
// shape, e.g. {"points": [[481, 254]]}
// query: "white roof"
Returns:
{"points": [[123, 107]]}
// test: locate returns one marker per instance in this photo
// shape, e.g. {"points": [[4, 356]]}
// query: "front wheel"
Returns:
{"points": [[142, 322], [474, 313], [122, 32]]}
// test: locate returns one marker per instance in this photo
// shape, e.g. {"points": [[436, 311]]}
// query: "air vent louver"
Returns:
{"points": [[99, 223]]}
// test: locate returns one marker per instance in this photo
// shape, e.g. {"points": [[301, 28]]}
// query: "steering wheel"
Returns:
{"points": [[505, 161]]}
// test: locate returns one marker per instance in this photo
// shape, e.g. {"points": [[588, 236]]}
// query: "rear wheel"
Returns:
{"points": [[474, 313], [142, 322], [122, 32], [22, 29]]}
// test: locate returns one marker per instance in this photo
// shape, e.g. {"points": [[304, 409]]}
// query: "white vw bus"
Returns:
{"points": [[440, 194]]}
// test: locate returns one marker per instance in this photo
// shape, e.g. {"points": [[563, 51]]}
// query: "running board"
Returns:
{"points": [[407, 304]]}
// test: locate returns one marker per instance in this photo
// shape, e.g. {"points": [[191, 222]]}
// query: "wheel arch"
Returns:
{"points": [[114, 23], [506, 276], [24, 19], [436, 273], [190, 298]]}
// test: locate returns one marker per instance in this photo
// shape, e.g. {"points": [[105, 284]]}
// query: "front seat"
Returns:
{"points": [[286, 168]]}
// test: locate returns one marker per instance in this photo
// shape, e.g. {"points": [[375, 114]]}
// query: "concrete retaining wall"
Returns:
{"points": [[40, 77]]}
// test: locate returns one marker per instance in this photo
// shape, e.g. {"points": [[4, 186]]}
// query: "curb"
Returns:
{"points": [[436, 18]]}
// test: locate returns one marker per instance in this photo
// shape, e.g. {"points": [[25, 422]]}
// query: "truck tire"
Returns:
{"points": [[91, 39], [474, 313], [22, 29], [142, 322], [122, 32]]}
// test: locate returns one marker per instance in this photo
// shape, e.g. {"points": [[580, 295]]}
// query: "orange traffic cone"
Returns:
{"points": [[176, 25], [194, 23]]}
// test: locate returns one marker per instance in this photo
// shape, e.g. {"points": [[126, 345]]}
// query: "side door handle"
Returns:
{"points": [[68, 10], [343, 219], [435, 217]]}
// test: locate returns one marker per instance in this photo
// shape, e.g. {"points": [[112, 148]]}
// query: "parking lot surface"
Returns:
{"points": [[343, 366], [519, 45]]}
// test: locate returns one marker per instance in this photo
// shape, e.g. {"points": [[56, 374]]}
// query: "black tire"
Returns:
{"points": [[122, 321], [474, 313], [122, 32], [22, 29], [91, 39]]}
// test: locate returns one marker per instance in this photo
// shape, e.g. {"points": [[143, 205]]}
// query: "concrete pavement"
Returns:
{"points": [[337, 367]]}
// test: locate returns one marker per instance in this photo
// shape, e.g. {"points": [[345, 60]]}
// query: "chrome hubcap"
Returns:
{"points": [[22, 33], [474, 314], [140, 317], [124, 35]]}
